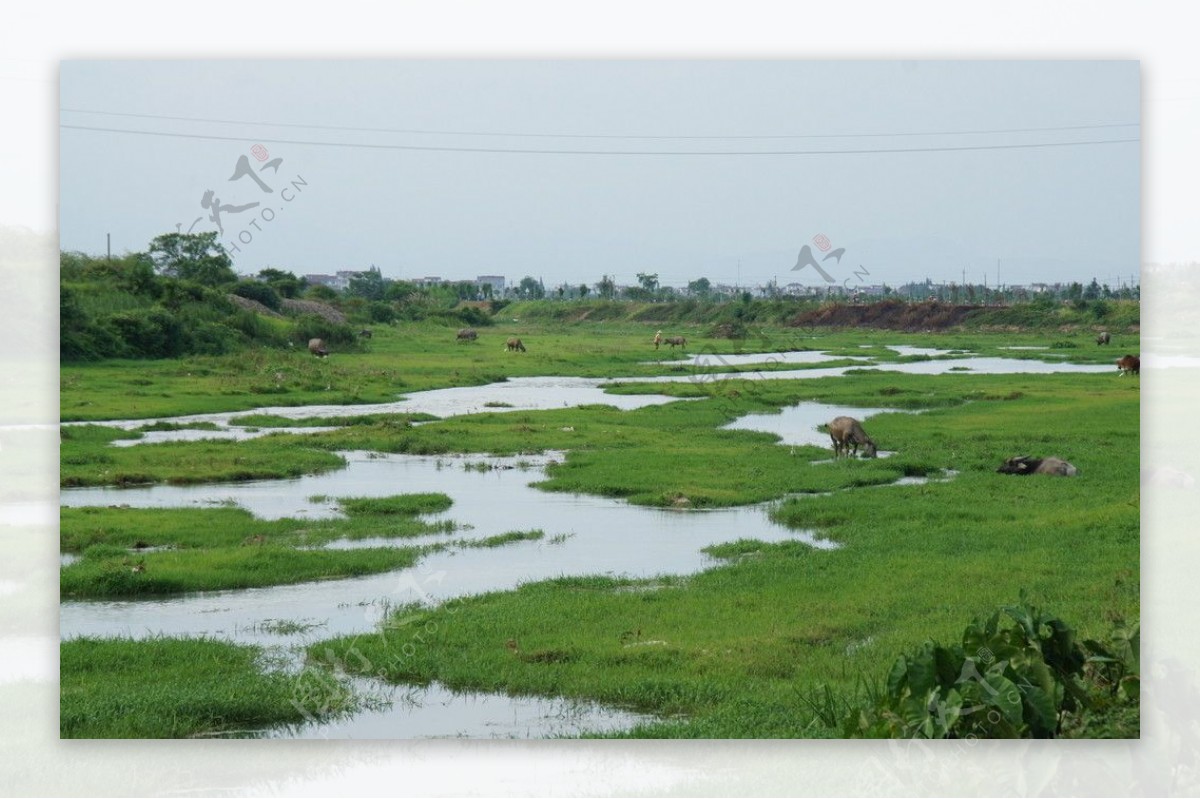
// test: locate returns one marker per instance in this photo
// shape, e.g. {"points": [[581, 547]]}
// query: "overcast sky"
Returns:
{"points": [[434, 187]]}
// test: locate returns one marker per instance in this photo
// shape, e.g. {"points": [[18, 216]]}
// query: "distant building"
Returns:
{"points": [[495, 281], [321, 280], [338, 282], [426, 282]]}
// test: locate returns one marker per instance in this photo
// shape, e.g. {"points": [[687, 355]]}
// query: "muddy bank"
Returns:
{"points": [[924, 317]]}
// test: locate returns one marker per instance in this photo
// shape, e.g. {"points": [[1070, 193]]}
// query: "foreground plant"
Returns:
{"points": [[1029, 679]]}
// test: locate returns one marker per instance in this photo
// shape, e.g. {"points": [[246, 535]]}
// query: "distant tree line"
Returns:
{"points": [[181, 297]]}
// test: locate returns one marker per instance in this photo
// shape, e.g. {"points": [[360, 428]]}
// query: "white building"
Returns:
{"points": [[495, 281]]}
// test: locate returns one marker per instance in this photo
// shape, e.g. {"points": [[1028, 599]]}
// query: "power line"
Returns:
{"points": [[605, 136], [526, 151]]}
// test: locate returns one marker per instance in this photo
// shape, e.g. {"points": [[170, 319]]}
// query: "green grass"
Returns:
{"points": [[739, 650], [87, 459], [198, 549], [180, 571], [418, 356], [180, 688], [753, 647]]}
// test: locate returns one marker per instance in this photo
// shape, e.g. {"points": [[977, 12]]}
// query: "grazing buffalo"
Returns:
{"points": [[364, 333], [467, 334], [1130, 364], [1023, 464], [514, 345], [848, 435], [317, 347], [657, 339], [676, 341], [1103, 338]]}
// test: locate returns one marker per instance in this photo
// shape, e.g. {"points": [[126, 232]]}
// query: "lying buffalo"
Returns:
{"points": [[467, 334], [848, 435], [1023, 464], [317, 347], [514, 345], [1130, 364], [1103, 338]]}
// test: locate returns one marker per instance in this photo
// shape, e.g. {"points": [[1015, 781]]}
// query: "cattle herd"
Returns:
{"points": [[846, 432], [848, 435]]}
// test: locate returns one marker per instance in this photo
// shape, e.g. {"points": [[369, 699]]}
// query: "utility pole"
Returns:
{"points": [[108, 246]]}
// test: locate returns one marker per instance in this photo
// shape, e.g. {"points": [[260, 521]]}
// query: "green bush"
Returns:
{"points": [[310, 326], [1025, 680], [259, 292]]}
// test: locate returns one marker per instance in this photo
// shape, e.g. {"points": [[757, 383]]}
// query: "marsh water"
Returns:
{"points": [[581, 535]]}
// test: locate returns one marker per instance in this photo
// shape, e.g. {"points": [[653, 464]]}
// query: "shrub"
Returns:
{"points": [[309, 326], [1020, 681], [260, 292]]}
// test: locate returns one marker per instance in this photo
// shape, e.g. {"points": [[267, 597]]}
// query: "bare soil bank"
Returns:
{"points": [[939, 316]]}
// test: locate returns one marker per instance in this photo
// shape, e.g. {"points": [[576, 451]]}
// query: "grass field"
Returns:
{"points": [[745, 649]]}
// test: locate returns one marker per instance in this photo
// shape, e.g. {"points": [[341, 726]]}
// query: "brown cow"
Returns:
{"points": [[317, 347], [514, 345], [848, 434], [1023, 464], [467, 334], [1130, 364]]}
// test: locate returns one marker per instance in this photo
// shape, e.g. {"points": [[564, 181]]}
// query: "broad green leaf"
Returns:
{"points": [[1005, 696], [921, 675], [895, 680], [1042, 714]]}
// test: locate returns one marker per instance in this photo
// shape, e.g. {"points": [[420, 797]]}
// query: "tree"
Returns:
{"points": [[606, 288], [700, 287], [530, 289], [369, 285], [197, 257], [400, 291], [583, 290], [1092, 292], [649, 282], [285, 283]]}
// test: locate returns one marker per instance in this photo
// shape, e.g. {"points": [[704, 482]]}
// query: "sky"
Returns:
{"points": [[1010, 172]]}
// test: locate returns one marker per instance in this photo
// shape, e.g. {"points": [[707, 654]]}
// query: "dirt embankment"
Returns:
{"points": [[939, 316], [889, 316]]}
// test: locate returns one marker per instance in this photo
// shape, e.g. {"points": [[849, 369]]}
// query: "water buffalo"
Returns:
{"points": [[676, 341], [1023, 464], [317, 347], [467, 334], [514, 345], [848, 435], [364, 333], [1103, 338], [1130, 364], [657, 339]]}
